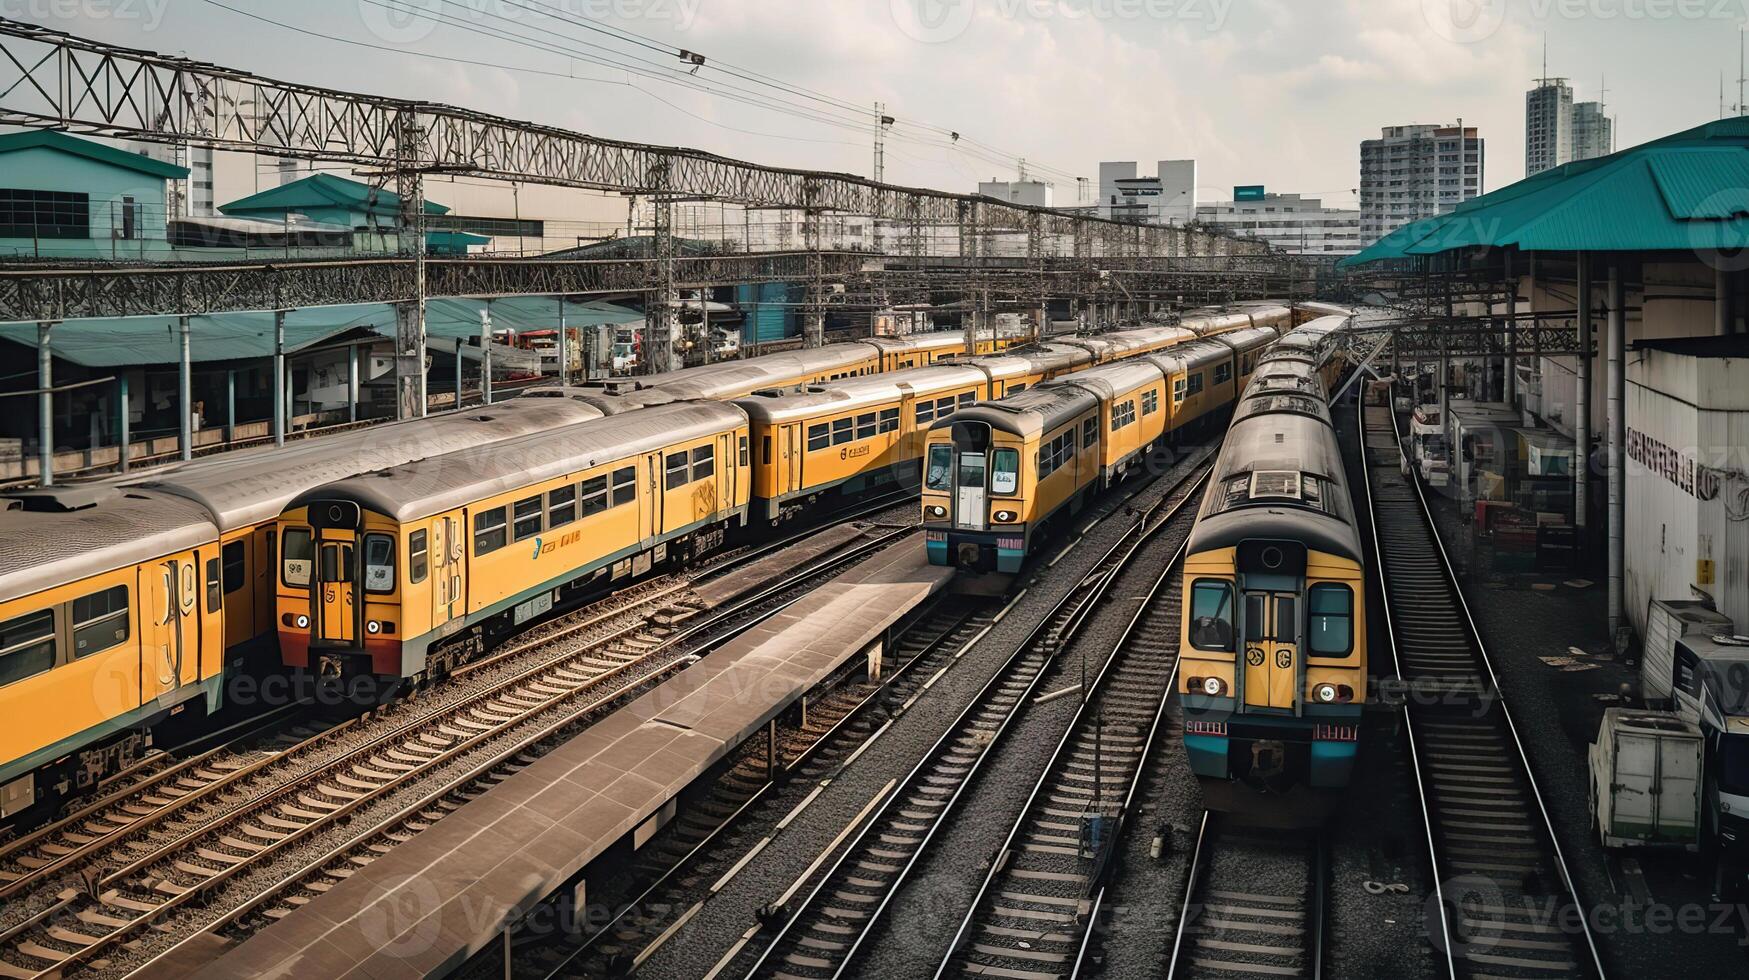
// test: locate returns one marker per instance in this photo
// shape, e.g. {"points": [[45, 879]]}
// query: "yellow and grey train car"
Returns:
{"points": [[406, 571], [1132, 415], [997, 473], [1273, 663]]}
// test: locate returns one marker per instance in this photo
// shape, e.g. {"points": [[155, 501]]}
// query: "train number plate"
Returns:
{"points": [[540, 604]]}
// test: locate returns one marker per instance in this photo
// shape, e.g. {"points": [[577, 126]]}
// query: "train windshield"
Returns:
{"points": [[939, 475], [1734, 764], [1211, 615], [1005, 471]]}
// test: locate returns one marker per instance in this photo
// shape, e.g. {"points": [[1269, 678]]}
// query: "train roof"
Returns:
{"points": [[1129, 342], [1113, 380], [731, 379], [1206, 322], [1032, 359], [1249, 338], [1279, 474], [247, 487], [1029, 413], [58, 535], [930, 340], [431, 486], [1190, 357], [777, 405]]}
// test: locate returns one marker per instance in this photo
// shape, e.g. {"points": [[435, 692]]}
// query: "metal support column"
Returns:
{"points": [[231, 406], [1509, 378], [564, 347], [352, 383], [279, 387], [410, 337], [45, 405], [1617, 427], [459, 344], [1582, 402], [486, 355], [1721, 302], [124, 420], [184, 390]]}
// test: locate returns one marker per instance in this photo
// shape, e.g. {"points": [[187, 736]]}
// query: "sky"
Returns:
{"points": [[1273, 92]]}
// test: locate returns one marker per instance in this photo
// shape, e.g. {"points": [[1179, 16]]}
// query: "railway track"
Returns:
{"points": [[1033, 914], [1253, 906], [1506, 903], [621, 653], [824, 934], [682, 864]]}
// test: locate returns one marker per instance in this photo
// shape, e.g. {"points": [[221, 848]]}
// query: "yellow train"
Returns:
{"points": [[1000, 474], [1273, 663]]}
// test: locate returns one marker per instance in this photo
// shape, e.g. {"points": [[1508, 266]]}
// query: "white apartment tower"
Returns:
{"points": [[1417, 171]]}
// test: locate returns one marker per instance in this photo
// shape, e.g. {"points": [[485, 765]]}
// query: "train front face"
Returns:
{"points": [[1273, 672], [974, 506], [339, 600]]}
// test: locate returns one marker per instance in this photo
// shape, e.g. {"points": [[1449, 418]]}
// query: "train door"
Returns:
{"points": [[1271, 648], [724, 485], [657, 492], [445, 553], [334, 585], [793, 448], [911, 435], [162, 645], [970, 481]]}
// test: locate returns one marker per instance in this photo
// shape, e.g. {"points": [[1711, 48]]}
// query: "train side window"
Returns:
{"points": [[1223, 373], [866, 425], [1150, 402], [674, 470], [379, 563], [526, 518], [1177, 390], [943, 407], [843, 430], [819, 437], [704, 462], [939, 475], [765, 450], [236, 567], [215, 590], [562, 504], [925, 413], [299, 550], [625, 486], [489, 531], [1016, 389], [742, 444], [594, 494], [1005, 471], [889, 420], [1211, 615], [1193, 384], [1090, 433], [1331, 622], [418, 556], [100, 620], [27, 645], [966, 398]]}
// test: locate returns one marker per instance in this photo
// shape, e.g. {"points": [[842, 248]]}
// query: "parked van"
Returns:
{"points": [[1646, 780]]}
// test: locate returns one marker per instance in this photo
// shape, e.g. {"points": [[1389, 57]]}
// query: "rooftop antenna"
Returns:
{"points": [[1740, 78]]}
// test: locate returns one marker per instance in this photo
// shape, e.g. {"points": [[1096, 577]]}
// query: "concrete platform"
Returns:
{"points": [[431, 903]]}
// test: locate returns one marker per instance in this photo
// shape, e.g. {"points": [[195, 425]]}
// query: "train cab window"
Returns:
{"points": [[1150, 402], [1005, 471], [526, 518], [940, 469], [1286, 621], [594, 494], [299, 551], [865, 425], [1331, 623], [765, 450], [819, 437], [1211, 615], [100, 620], [27, 645], [843, 430], [489, 532], [336, 562], [562, 503], [625, 486], [889, 420], [1089, 433], [418, 556], [215, 592], [674, 470], [379, 563], [236, 567], [704, 462], [1256, 617]]}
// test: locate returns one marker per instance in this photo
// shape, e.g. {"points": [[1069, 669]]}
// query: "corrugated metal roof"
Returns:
{"points": [[91, 150], [325, 190], [1686, 191]]}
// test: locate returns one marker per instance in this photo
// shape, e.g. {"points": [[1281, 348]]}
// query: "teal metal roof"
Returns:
{"points": [[325, 191], [135, 341], [453, 242], [1688, 191], [91, 150]]}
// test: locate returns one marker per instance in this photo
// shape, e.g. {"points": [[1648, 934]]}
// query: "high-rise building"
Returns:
{"points": [[1168, 197], [1417, 171], [1296, 225], [1030, 193], [1548, 125], [1593, 132]]}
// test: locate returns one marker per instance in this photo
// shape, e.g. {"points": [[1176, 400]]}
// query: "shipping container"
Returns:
{"points": [[1646, 780]]}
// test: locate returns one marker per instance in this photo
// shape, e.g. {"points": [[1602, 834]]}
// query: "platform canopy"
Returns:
{"points": [[134, 341], [1684, 192]]}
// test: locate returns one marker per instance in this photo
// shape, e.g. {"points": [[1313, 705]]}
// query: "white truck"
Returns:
{"points": [[1646, 780]]}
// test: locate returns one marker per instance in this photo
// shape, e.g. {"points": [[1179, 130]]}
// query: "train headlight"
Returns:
{"points": [[1327, 693], [1212, 686], [1006, 516], [373, 627], [303, 622], [936, 510]]}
